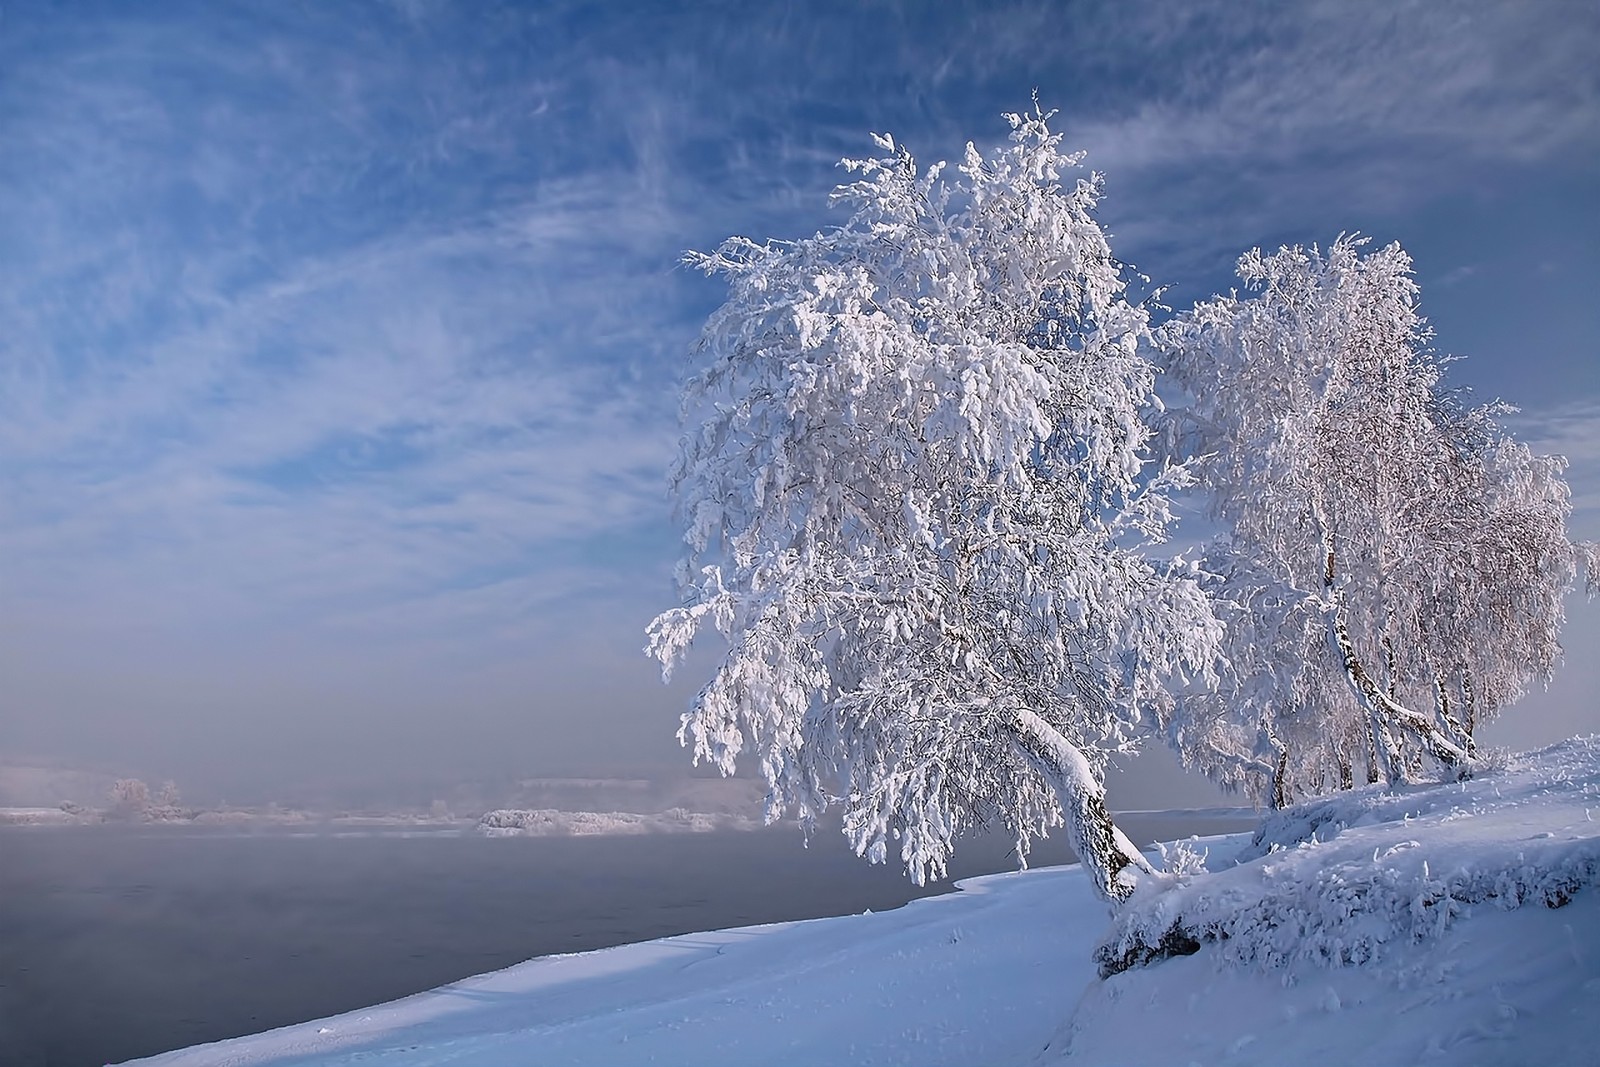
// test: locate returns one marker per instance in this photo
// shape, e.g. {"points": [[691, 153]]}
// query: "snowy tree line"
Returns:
{"points": [[131, 798], [927, 481]]}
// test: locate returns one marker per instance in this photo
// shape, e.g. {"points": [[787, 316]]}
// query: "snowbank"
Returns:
{"points": [[1347, 879], [1503, 989], [1457, 922]]}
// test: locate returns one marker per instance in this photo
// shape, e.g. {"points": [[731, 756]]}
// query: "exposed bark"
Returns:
{"points": [[1176, 941], [1347, 777], [1462, 730], [1280, 781], [1112, 861], [1391, 667]]}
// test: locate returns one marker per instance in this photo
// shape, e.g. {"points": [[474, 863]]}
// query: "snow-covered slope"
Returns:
{"points": [[980, 976], [1002, 972], [1353, 878], [1501, 989], [1471, 909]]}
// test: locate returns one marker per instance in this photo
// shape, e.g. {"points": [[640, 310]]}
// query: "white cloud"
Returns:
{"points": [[333, 338], [1341, 78], [1262, 119], [344, 419]]}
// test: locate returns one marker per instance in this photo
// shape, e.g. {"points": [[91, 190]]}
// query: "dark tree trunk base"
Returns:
{"points": [[1177, 941]]}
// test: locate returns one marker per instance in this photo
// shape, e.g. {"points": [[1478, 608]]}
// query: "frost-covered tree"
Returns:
{"points": [[1412, 559], [916, 483], [130, 798], [1224, 729], [1489, 575]]}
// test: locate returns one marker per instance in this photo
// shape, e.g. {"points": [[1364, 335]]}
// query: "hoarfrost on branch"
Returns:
{"points": [[919, 506], [1396, 562]]}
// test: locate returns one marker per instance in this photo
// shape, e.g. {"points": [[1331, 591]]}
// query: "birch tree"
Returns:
{"points": [[1418, 556], [919, 505]]}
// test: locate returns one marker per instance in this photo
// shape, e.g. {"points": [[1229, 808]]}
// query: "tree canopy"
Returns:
{"points": [[1408, 557], [919, 499], [925, 499]]}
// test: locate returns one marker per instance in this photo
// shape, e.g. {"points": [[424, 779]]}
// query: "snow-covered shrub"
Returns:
{"points": [[1183, 859]]}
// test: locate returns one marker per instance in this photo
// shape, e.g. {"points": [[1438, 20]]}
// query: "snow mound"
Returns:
{"points": [[1345, 879], [1504, 989], [548, 822]]}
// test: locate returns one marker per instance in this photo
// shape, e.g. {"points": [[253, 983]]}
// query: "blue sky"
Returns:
{"points": [[340, 342]]}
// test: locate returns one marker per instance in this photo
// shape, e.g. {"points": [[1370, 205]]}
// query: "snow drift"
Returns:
{"points": [[1345, 878]]}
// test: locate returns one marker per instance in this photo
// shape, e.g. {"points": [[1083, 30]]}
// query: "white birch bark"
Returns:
{"points": [[1113, 863]]}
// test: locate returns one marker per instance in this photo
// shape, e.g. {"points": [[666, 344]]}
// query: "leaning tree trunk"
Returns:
{"points": [[1383, 711], [1111, 860]]}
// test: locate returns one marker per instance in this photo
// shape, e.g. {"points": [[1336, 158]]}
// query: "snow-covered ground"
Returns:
{"points": [[546, 822], [1471, 908], [503, 822], [37, 817]]}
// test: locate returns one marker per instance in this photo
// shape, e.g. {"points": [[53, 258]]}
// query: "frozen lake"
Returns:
{"points": [[119, 942]]}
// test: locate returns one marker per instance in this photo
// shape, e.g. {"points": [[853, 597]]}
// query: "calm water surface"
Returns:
{"points": [[117, 943]]}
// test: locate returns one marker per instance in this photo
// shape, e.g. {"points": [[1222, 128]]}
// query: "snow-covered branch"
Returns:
{"points": [[1319, 426], [915, 458]]}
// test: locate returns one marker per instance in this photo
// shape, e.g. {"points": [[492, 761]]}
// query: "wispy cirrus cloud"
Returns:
{"points": [[373, 406], [1271, 118], [345, 337], [370, 427], [1271, 83], [312, 320]]}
